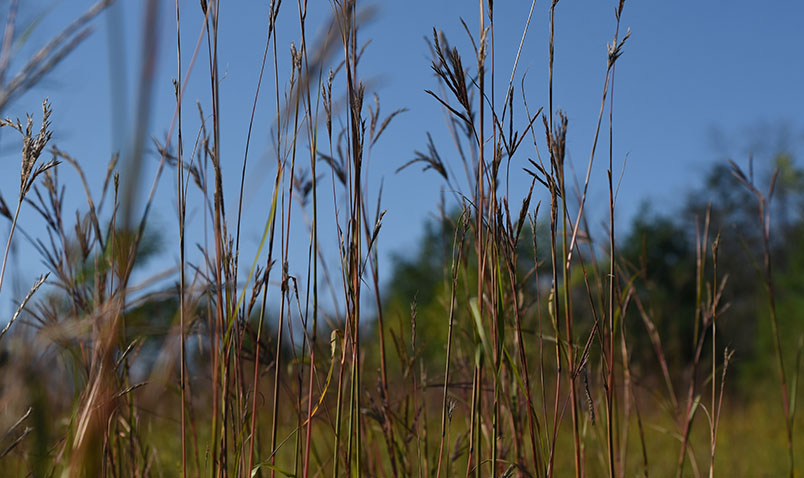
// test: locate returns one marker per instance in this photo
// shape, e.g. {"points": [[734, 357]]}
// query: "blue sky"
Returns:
{"points": [[689, 69]]}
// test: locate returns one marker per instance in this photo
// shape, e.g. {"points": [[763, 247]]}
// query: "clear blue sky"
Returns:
{"points": [[688, 69]]}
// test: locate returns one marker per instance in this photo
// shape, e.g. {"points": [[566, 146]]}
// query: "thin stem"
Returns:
{"points": [[181, 206], [8, 243]]}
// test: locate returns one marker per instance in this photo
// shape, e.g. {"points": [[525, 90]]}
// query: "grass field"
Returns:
{"points": [[524, 343]]}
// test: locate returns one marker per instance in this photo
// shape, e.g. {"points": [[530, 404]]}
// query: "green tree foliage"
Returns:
{"points": [[662, 248], [662, 254], [659, 249], [421, 284]]}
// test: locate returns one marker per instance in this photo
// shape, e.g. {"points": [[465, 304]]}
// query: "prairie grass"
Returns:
{"points": [[520, 361]]}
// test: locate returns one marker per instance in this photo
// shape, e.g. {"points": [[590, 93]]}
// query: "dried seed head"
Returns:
{"points": [[413, 324], [716, 246], [32, 147], [616, 48], [482, 51], [590, 404]]}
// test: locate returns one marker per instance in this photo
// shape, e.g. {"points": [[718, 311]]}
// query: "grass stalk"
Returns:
{"points": [[764, 213], [182, 205], [457, 252]]}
